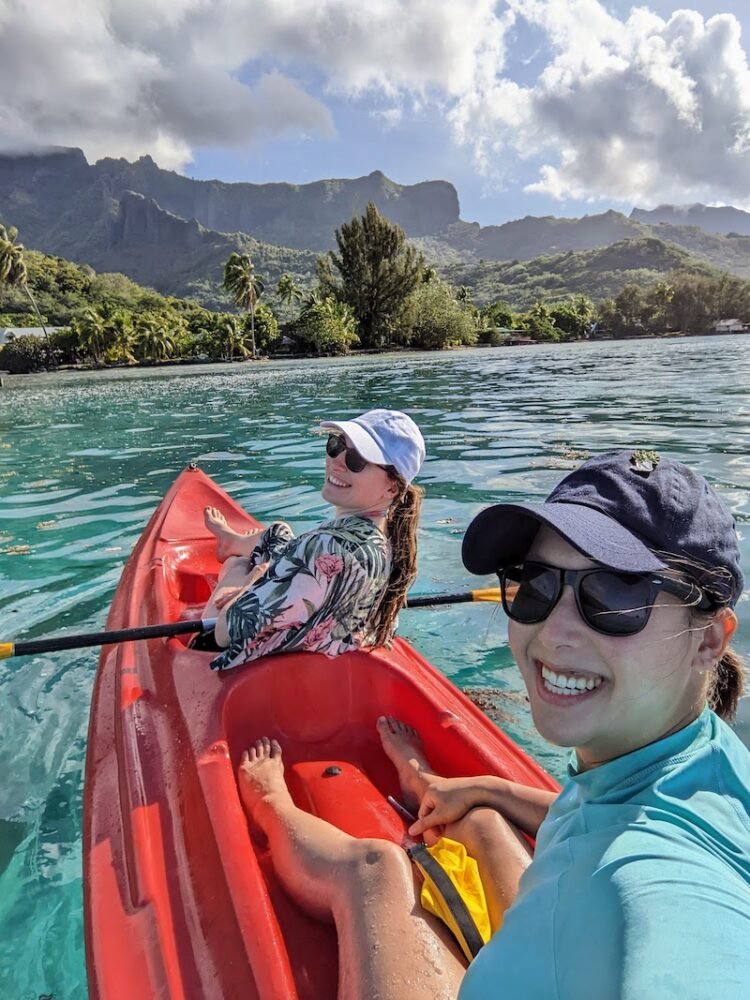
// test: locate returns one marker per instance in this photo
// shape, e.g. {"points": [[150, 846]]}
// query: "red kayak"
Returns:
{"points": [[181, 903]]}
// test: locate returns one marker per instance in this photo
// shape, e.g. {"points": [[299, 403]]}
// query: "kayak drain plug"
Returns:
{"points": [[332, 771]]}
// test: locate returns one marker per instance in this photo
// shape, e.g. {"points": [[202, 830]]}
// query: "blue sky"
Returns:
{"points": [[559, 107]]}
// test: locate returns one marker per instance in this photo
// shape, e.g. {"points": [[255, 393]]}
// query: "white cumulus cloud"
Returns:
{"points": [[640, 108], [645, 109], [125, 77]]}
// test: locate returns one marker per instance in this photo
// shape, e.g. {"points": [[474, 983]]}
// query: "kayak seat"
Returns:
{"points": [[338, 791]]}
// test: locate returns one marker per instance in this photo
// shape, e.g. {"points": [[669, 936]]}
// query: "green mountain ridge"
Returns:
{"points": [[174, 233], [600, 273]]}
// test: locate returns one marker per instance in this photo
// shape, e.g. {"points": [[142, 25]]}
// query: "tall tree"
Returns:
{"points": [[13, 272], [245, 287], [377, 272], [288, 291]]}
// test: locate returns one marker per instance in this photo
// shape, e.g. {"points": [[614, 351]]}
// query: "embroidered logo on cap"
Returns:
{"points": [[644, 461]]}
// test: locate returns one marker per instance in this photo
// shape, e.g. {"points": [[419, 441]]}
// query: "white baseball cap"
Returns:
{"points": [[385, 437]]}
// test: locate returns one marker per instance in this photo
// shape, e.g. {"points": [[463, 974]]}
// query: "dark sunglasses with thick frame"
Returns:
{"points": [[608, 601], [336, 443]]}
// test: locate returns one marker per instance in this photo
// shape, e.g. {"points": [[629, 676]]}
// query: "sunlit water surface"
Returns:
{"points": [[85, 458]]}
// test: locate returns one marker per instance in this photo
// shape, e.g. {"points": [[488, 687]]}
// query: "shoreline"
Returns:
{"points": [[352, 355], [367, 352]]}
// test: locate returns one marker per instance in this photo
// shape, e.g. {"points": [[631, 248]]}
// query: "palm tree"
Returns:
{"points": [[313, 298], [90, 329], [245, 287], [154, 342], [288, 291], [13, 272], [232, 337]]}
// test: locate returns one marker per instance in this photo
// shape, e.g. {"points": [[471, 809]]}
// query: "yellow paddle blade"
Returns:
{"points": [[6, 650], [493, 593], [490, 594]]}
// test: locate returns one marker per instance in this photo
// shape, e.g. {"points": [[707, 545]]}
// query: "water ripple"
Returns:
{"points": [[85, 457]]}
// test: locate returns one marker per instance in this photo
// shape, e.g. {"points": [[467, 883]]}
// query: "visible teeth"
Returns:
{"points": [[568, 684], [336, 482]]}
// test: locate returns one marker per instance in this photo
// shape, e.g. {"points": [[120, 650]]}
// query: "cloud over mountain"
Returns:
{"points": [[641, 108]]}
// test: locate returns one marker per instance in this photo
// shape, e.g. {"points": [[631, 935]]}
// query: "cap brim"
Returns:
{"points": [[501, 535], [367, 447]]}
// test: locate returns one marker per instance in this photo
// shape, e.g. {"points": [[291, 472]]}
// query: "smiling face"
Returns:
{"points": [[367, 491], [622, 692]]}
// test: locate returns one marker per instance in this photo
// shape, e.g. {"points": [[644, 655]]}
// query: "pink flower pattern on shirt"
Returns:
{"points": [[329, 565], [317, 594]]}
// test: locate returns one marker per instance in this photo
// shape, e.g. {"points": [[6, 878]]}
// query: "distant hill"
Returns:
{"points": [[600, 273], [723, 219], [174, 233], [532, 236]]}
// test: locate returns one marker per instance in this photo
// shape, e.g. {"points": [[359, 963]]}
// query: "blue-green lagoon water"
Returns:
{"points": [[85, 458]]}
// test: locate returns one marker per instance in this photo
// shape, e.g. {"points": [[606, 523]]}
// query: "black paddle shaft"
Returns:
{"points": [[433, 599], [104, 638]]}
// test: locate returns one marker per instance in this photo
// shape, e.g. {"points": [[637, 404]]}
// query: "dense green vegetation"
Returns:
{"points": [[600, 274], [377, 291]]}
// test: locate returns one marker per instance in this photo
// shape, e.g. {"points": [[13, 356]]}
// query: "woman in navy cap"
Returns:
{"points": [[342, 584], [620, 590]]}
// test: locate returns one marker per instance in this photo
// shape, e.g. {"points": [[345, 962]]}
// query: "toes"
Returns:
{"points": [[388, 725], [275, 749]]}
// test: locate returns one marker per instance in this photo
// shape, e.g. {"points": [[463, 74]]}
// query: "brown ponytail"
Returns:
{"points": [[727, 684], [403, 520]]}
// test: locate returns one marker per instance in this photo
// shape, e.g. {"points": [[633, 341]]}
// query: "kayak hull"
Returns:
{"points": [[181, 900]]}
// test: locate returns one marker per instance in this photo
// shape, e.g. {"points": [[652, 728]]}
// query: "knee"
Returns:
{"points": [[380, 859], [479, 826]]}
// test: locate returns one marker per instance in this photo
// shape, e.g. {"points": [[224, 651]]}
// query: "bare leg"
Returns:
{"points": [[388, 947], [502, 855], [499, 848], [403, 746], [228, 541], [235, 575]]}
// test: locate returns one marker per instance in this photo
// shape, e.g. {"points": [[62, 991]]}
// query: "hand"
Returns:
{"points": [[225, 596], [446, 800]]}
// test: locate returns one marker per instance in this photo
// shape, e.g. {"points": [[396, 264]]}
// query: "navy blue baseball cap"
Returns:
{"points": [[624, 510]]}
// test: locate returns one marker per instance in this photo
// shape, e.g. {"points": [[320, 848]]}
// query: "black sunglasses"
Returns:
{"points": [[336, 443], [610, 602]]}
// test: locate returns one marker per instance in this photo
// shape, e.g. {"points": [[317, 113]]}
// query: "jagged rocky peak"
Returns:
{"points": [[141, 220]]}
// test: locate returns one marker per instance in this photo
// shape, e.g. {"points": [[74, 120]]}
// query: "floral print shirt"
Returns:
{"points": [[318, 594]]}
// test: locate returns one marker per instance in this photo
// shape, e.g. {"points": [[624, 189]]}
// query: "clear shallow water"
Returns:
{"points": [[85, 458]]}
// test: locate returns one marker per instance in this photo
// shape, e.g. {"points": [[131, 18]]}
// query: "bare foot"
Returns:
{"points": [[403, 745], [261, 777], [226, 537]]}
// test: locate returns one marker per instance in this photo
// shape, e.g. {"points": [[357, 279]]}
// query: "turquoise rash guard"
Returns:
{"points": [[640, 884]]}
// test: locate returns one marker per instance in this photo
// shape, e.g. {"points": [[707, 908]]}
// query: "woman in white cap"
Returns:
{"points": [[620, 590], [341, 585]]}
